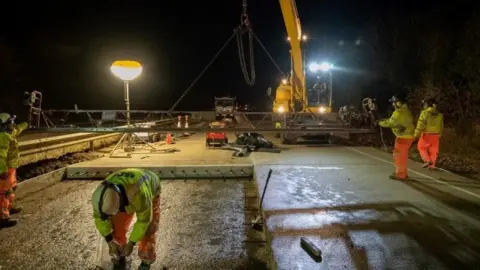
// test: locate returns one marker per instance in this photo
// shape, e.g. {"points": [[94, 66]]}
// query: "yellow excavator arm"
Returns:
{"points": [[293, 95]]}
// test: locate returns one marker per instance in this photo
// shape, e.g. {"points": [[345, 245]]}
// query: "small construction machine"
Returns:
{"points": [[216, 139]]}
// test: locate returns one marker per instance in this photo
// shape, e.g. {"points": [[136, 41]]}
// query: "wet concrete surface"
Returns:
{"points": [[201, 227], [344, 202]]}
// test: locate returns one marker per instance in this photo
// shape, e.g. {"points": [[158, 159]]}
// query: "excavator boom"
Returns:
{"points": [[298, 94]]}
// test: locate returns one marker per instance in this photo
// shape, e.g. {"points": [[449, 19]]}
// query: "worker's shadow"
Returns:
{"points": [[430, 188], [453, 244]]}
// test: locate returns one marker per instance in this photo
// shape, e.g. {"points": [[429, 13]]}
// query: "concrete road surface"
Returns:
{"points": [[338, 197], [342, 200]]}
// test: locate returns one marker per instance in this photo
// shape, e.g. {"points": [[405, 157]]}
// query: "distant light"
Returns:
{"points": [[126, 70], [358, 42], [322, 109], [304, 37], [325, 66], [284, 81], [288, 38], [281, 109]]}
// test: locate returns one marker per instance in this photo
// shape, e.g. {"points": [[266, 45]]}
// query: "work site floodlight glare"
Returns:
{"points": [[126, 70], [325, 66]]}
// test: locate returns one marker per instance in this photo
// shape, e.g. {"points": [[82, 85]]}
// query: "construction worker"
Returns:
{"points": [[428, 131], [115, 201], [13, 157], [401, 123], [9, 156]]}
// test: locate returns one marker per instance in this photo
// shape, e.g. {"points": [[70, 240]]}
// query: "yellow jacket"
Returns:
{"points": [[142, 186], [430, 121], [401, 122], [5, 140], [13, 156]]}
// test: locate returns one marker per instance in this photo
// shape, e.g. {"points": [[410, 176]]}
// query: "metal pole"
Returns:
{"points": [[127, 100], [331, 90]]}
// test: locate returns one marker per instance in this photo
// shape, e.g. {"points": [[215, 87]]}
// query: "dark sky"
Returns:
{"points": [[65, 49]]}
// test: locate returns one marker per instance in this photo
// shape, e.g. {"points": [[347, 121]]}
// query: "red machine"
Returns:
{"points": [[216, 139]]}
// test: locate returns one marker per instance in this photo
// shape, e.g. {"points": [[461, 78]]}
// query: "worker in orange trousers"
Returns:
{"points": [[123, 195], [9, 159], [401, 123], [428, 132]]}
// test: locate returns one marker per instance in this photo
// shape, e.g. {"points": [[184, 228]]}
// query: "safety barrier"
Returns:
{"points": [[53, 147]]}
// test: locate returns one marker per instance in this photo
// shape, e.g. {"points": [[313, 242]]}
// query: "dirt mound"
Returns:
{"points": [[45, 166]]}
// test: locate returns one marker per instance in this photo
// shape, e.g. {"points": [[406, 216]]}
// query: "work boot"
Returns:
{"points": [[144, 266], [120, 263], [426, 164], [8, 222], [15, 210], [394, 177]]}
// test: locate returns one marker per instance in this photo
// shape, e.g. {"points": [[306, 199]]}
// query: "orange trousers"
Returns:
{"points": [[8, 184], [146, 247], [400, 156], [427, 146]]}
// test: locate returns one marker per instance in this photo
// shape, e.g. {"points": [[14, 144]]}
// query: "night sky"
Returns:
{"points": [[65, 49]]}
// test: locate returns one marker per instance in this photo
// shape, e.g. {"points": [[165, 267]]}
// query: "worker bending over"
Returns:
{"points": [[115, 201], [401, 123], [9, 161], [428, 131]]}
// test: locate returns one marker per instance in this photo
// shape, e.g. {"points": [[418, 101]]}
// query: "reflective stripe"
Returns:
{"points": [[145, 177]]}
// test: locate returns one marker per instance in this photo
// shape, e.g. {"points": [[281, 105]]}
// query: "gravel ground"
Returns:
{"points": [[202, 227]]}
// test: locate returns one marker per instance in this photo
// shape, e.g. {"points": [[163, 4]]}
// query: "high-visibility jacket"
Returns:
{"points": [[13, 156], [5, 139], [401, 122], [430, 121], [141, 186]]}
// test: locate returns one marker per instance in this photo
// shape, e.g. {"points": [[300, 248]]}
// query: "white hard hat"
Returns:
{"points": [[4, 117], [110, 200]]}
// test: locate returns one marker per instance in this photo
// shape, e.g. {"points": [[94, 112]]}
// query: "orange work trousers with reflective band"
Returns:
{"points": [[400, 156], [427, 146], [146, 247], [8, 184]]}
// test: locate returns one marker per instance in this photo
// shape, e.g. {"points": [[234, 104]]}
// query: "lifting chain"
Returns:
{"points": [[245, 26]]}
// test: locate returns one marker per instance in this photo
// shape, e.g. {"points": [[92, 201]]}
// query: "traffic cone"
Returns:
{"points": [[168, 140]]}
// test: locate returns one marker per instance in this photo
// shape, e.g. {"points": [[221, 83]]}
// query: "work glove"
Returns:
{"points": [[113, 249], [127, 249]]}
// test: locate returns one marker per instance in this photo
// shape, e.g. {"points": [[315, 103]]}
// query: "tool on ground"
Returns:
{"points": [[311, 249], [257, 223]]}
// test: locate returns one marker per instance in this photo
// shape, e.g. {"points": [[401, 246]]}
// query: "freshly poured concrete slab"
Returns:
{"points": [[342, 200], [192, 151]]}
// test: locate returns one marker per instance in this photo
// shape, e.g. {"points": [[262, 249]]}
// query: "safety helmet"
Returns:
{"points": [[4, 117], [109, 199], [398, 98], [430, 102]]}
